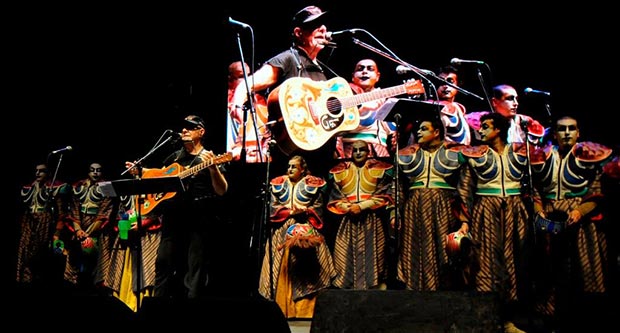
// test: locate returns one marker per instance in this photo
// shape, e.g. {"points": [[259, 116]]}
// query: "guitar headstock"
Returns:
{"points": [[414, 87], [223, 158]]}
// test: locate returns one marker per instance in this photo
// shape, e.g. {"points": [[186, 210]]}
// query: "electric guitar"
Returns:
{"points": [[175, 170], [314, 111]]}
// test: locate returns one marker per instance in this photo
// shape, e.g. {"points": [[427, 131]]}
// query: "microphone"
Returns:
{"points": [[174, 134], [62, 150], [401, 69], [238, 23], [530, 91], [457, 61], [331, 34], [327, 43]]}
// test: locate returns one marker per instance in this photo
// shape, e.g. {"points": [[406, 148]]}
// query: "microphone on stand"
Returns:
{"points": [[173, 134], [61, 150], [238, 23], [401, 69], [457, 61], [331, 34], [328, 43], [530, 91]]}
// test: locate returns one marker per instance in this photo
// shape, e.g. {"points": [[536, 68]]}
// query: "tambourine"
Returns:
{"points": [[547, 225]]}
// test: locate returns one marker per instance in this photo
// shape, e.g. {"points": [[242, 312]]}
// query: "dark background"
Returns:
{"points": [[108, 81]]}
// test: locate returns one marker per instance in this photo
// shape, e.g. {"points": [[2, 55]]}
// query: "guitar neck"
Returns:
{"points": [[358, 99], [196, 168]]}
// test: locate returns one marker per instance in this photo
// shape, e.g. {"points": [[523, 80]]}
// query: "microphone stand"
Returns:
{"points": [[484, 89], [266, 196], [250, 98], [527, 176], [266, 220], [396, 186], [530, 202], [51, 205], [138, 210]]}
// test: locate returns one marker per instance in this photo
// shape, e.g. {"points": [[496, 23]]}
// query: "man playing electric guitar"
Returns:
{"points": [[186, 215]]}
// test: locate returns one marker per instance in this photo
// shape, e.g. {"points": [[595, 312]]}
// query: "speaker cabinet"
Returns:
{"points": [[405, 311]]}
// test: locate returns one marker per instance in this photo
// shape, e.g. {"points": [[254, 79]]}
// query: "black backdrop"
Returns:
{"points": [[108, 81]]}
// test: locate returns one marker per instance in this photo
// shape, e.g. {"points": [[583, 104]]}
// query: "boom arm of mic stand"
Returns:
{"points": [[138, 162], [423, 74], [484, 89], [250, 101], [384, 54]]}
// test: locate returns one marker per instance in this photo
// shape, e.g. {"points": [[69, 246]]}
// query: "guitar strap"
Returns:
{"points": [[296, 57], [300, 66], [328, 68]]}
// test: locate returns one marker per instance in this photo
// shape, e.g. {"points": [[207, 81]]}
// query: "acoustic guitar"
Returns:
{"points": [[176, 170], [314, 111]]}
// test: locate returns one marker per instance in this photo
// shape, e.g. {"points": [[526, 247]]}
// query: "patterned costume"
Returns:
{"points": [[370, 130], [566, 183], [455, 122], [39, 222], [431, 178], [360, 243], [499, 220], [298, 273], [91, 212]]}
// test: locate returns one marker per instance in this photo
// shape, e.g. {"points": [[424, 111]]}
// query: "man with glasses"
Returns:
{"points": [[182, 257]]}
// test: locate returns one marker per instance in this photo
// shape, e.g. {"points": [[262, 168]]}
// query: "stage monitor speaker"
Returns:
{"points": [[405, 311], [213, 314]]}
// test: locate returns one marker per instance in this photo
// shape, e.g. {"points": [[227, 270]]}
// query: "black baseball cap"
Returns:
{"points": [[195, 121], [307, 15]]}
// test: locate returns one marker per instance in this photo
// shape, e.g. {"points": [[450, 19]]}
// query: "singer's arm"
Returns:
{"points": [[218, 181], [133, 171], [262, 79]]}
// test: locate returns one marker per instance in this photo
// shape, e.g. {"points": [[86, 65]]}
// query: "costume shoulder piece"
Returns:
{"points": [[314, 181], [538, 155], [278, 180], [612, 168], [455, 146], [473, 119], [409, 150], [591, 152], [379, 165], [535, 128], [475, 151], [339, 167]]}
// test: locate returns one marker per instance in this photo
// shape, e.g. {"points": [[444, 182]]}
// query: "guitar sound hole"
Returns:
{"points": [[334, 106]]}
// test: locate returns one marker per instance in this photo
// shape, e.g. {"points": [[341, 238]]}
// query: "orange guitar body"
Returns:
{"points": [[153, 199], [175, 170]]}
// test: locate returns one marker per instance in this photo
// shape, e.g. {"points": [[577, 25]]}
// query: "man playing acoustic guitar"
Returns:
{"points": [[186, 215]]}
